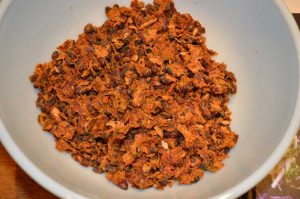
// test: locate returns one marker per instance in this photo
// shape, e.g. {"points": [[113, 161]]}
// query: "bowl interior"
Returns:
{"points": [[252, 37]]}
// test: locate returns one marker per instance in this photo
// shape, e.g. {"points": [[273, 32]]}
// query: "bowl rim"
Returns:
{"points": [[61, 191]]}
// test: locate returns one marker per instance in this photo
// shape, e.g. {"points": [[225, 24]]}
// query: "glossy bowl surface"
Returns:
{"points": [[258, 40]]}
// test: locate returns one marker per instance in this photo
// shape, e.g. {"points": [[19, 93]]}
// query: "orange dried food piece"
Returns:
{"points": [[139, 98]]}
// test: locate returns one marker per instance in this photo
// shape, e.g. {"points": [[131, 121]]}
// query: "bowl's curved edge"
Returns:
{"points": [[34, 172], [59, 190], [291, 131]]}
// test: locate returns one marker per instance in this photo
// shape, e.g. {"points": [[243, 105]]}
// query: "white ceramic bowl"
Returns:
{"points": [[257, 39]]}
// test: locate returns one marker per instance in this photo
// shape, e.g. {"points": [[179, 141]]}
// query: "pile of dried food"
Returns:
{"points": [[139, 98]]}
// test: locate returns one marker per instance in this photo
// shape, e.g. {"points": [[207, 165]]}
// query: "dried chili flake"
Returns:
{"points": [[139, 98]]}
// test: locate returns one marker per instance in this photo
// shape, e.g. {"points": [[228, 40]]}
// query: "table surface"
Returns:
{"points": [[15, 183]]}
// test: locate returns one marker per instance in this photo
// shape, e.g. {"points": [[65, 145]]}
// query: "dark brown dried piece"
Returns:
{"points": [[139, 98], [88, 28], [54, 55]]}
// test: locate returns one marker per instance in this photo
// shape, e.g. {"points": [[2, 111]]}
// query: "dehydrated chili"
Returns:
{"points": [[139, 98]]}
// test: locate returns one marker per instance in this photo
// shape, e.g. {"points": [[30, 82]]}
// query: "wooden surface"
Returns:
{"points": [[16, 184]]}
